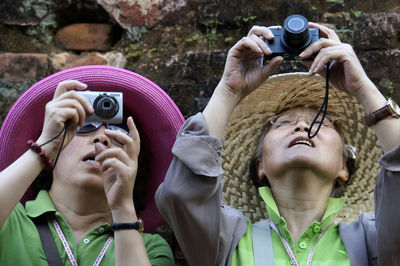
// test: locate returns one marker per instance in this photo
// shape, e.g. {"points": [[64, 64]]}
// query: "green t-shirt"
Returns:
{"points": [[330, 250], [20, 242]]}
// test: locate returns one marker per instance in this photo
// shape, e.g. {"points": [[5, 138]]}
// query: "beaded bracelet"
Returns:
{"points": [[33, 146]]}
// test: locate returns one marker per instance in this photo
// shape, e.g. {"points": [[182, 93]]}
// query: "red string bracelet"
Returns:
{"points": [[33, 146]]}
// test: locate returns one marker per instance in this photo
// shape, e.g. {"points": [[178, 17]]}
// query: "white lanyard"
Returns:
{"points": [[69, 251], [289, 250]]}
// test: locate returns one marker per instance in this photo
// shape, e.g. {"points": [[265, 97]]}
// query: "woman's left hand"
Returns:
{"points": [[119, 166], [346, 72]]}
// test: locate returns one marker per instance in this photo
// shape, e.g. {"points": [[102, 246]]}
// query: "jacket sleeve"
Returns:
{"points": [[387, 208], [189, 199], [359, 238]]}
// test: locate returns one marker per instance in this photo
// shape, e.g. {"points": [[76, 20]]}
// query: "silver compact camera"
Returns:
{"points": [[107, 106]]}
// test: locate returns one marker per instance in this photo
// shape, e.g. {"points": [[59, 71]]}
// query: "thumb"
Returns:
{"points": [[99, 148], [273, 65]]}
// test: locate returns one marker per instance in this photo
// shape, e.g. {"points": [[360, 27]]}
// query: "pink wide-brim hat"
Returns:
{"points": [[155, 114]]}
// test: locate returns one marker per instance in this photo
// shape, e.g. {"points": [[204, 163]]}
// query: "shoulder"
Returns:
{"points": [[359, 237], [157, 249], [365, 224]]}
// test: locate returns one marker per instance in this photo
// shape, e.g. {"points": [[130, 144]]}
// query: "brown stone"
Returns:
{"points": [[147, 13], [115, 59], [66, 60], [24, 66], [85, 37]]}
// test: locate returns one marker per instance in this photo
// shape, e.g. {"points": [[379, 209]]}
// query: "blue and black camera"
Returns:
{"points": [[293, 38]]}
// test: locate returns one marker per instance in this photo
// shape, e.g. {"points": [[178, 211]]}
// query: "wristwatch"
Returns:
{"points": [[390, 109], [138, 225]]}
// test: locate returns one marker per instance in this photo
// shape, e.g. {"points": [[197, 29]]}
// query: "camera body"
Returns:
{"points": [[293, 38], [107, 106]]}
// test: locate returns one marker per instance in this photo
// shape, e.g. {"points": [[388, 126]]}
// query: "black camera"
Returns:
{"points": [[293, 38], [107, 106]]}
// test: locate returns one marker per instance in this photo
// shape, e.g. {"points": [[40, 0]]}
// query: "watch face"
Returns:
{"points": [[141, 225], [395, 107]]}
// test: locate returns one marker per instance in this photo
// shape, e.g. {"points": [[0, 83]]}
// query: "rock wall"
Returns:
{"points": [[179, 44]]}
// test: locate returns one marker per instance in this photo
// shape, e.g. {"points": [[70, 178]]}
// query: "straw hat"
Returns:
{"points": [[285, 91], [155, 114]]}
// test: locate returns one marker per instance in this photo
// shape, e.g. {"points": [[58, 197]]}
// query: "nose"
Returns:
{"points": [[100, 137], [302, 125]]}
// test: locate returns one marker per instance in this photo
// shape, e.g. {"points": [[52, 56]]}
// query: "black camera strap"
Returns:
{"points": [[48, 243], [63, 130], [324, 107]]}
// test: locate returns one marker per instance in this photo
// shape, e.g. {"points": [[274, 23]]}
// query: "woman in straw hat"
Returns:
{"points": [[269, 119], [87, 212]]}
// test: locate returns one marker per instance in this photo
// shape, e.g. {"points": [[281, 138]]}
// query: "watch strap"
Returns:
{"points": [[372, 118], [138, 225]]}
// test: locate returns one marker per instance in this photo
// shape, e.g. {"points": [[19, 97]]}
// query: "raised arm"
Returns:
{"points": [[348, 75], [119, 165], [244, 71], [190, 198], [16, 178]]}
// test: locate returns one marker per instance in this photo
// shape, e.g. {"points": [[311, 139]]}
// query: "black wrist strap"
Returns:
{"points": [[126, 226], [48, 244]]}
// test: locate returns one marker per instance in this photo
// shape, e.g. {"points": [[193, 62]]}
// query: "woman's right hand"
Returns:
{"points": [[67, 105], [244, 69], [244, 72]]}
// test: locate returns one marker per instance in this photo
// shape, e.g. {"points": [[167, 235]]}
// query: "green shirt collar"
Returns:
{"points": [[40, 205], [334, 205]]}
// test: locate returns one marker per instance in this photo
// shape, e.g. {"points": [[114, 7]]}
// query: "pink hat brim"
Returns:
{"points": [[155, 114]]}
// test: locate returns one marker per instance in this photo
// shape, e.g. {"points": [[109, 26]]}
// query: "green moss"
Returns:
{"points": [[193, 38], [134, 51], [228, 40], [356, 13], [387, 85]]}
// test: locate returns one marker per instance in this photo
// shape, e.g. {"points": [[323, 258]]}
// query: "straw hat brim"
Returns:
{"points": [[286, 91], [155, 114]]}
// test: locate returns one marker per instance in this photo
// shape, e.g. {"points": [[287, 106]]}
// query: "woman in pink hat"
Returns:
{"points": [[87, 214], [298, 171]]}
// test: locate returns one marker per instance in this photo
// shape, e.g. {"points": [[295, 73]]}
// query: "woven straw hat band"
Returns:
{"points": [[286, 91]]}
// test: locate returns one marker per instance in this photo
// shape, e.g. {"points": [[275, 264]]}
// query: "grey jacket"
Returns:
{"points": [[208, 232]]}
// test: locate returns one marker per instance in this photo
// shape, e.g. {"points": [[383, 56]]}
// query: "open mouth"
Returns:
{"points": [[89, 157], [302, 141], [89, 160]]}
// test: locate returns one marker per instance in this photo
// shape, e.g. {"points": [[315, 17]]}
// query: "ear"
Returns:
{"points": [[260, 169], [343, 174]]}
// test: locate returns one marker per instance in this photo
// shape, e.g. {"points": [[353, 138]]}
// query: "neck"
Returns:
{"points": [[301, 203], [82, 210]]}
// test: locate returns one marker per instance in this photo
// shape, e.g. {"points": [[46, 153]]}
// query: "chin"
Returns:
{"points": [[91, 181], [302, 157], [300, 162]]}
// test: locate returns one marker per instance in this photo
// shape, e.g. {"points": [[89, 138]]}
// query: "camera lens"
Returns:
{"points": [[296, 34], [105, 106]]}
